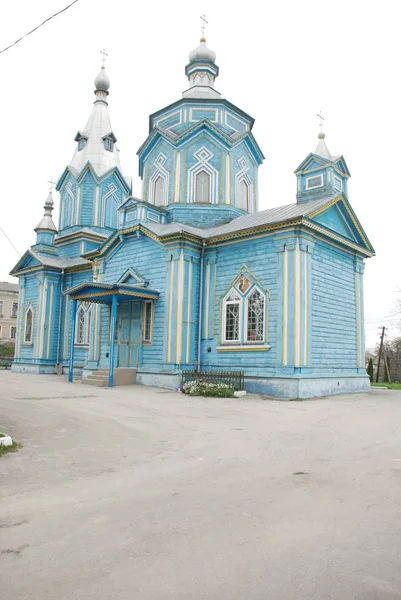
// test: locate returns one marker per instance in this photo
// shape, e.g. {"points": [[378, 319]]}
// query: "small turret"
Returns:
{"points": [[46, 229], [321, 175]]}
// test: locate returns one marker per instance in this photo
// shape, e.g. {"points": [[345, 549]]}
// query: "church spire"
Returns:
{"points": [[46, 229], [201, 70], [97, 142], [322, 149]]}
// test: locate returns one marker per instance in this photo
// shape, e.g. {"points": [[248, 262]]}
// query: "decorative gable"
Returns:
{"points": [[334, 219], [132, 277]]}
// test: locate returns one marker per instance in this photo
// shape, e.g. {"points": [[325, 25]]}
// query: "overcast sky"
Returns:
{"points": [[280, 62]]}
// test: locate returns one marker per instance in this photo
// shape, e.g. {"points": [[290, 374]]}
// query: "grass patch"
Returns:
{"points": [[390, 386], [13, 448]]}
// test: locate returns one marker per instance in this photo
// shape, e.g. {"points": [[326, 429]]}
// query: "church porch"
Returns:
{"points": [[128, 309]]}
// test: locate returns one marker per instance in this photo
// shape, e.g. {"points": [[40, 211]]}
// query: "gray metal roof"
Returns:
{"points": [[278, 214], [48, 260], [5, 286]]}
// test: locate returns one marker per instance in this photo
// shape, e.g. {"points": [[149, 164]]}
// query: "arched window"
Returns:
{"points": [[232, 318], [82, 326], [243, 195], [28, 326], [244, 314], [255, 317], [159, 191], [202, 187]]}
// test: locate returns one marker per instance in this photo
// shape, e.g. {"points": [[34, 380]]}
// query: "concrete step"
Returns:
{"points": [[122, 376], [96, 380]]}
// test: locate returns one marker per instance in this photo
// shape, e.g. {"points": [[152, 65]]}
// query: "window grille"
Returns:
{"points": [[255, 321], [14, 309], [147, 327]]}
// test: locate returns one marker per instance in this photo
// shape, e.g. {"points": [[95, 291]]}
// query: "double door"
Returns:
{"points": [[129, 336]]}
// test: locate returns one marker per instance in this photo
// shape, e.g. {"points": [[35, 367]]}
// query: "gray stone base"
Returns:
{"points": [[311, 387], [169, 381], [32, 368]]}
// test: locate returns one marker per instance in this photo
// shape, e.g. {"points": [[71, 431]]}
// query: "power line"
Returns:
{"points": [[38, 27]]}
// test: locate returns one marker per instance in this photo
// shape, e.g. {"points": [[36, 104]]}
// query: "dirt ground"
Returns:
{"points": [[141, 493]]}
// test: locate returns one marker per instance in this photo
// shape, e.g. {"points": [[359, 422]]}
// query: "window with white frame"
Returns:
{"points": [[338, 184], [232, 317], [1, 307], [202, 187], [1, 331], [14, 310], [83, 325], [314, 182], [109, 144], [147, 322], [13, 333], [28, 326], [244, 314]]}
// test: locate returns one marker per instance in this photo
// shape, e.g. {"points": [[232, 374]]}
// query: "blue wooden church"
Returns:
{"points": [[192, 274]]}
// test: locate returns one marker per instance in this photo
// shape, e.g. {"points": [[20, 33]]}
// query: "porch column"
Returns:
{"points": [[112, 336], [72, 341]]}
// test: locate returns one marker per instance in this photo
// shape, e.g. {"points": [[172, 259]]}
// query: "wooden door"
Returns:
{"points": [[129, 334]]}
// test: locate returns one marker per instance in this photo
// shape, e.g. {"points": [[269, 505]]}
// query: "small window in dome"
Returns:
{"points": [[109, 144], [81, 143]]}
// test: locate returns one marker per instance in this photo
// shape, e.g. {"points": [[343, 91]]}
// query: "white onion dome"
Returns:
{"points": [[202, 52], [102, 81]]}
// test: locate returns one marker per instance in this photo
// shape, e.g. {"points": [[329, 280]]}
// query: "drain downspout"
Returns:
{"points": [[58, 369], [198, 362]]}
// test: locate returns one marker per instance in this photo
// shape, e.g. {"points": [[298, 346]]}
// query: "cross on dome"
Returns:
{"points": [[203, 26], [104, 55]]}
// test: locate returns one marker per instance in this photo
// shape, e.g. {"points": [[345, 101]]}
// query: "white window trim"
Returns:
{"points": [[11, 328], [1, 331], [28, 342], [1, 307], [314, 187], [246, 342], [225, 303], [242, 342], [87, 325], [338, 184], [150, 340]]}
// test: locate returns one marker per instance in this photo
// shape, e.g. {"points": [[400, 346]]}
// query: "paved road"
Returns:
{"points": [[139, 493]]}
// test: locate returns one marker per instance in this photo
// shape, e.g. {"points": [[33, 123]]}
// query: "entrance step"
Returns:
{"points": [[122, 376]]}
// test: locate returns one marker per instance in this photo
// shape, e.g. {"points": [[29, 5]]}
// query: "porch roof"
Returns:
{"points": [[103, 292]]}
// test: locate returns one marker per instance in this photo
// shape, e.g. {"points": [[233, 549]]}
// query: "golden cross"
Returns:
{"points": [[51, 184]]}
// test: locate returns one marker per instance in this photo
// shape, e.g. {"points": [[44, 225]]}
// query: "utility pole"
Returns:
{"points": [[380, 354]]}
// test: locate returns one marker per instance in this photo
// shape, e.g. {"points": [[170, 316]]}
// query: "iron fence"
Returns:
{"points": [[234, 379], [5, 363]]}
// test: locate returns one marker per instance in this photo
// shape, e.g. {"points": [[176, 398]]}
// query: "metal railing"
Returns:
{"points": [[5, 362], [234, 379]]}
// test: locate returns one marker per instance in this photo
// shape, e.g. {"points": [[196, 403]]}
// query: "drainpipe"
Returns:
{"points": [[200, 305], [59, 324]]}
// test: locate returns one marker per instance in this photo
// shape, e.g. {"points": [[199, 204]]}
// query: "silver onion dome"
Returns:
{"points": [[202, 52], [102, 81]]}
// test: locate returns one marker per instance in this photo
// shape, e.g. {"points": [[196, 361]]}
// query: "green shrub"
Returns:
{"points": [[201, 388], [370, 369]]}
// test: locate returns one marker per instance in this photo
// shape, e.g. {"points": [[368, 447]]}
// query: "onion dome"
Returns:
{"points": [[202, 52], [322, 149], [102, 81]]}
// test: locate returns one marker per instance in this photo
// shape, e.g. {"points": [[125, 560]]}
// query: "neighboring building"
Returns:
{"points": [[8, 311], [192, 273]]}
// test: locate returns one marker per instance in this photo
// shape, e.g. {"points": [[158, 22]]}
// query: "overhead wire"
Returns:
{"points": [[38, 27]]}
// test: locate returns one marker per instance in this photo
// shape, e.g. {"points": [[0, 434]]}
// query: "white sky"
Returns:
{"points": [[280, 62]]}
